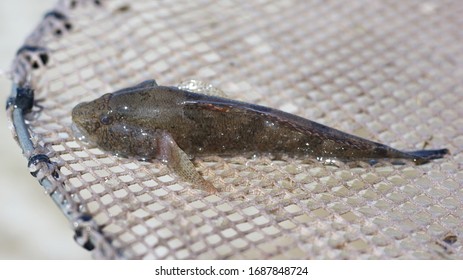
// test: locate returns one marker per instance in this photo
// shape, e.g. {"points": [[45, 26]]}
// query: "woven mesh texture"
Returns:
{"points": [[389, 71]]}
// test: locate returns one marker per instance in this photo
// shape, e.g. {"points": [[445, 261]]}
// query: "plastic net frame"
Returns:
{"points": [[385, 70]]}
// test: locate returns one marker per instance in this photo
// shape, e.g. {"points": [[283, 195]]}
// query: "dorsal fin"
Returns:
{"points": [[146, 84]]}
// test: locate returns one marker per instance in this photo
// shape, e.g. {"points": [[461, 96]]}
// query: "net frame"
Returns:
{"points": [[441, 235]]}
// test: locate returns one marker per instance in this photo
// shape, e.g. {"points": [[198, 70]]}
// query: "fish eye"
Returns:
{"points": [[106, 119]]}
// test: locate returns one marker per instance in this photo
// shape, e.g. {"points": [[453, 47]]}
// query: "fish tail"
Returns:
{"points": [[423, 156]]}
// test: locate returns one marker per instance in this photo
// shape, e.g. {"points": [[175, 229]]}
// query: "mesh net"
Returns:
{"points": [[389, 71]]}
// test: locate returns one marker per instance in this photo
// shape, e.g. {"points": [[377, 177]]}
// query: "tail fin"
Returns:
{"points": [[423, 156]]}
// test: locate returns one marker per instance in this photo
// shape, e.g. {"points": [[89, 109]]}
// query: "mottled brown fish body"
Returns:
{"points": [[209, 125], [169, 124]]}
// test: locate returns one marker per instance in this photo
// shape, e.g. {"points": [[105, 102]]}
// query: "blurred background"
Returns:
{"points": [[31, 226]]}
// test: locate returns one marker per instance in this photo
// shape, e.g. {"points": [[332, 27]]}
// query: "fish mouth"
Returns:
{"points": [[81, 134], [78, 127]]}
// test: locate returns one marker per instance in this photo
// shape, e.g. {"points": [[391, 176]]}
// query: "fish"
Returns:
{"points": [[175, 124]]}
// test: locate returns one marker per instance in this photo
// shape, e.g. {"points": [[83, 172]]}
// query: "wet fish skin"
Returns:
{"points": [[158, 122]]}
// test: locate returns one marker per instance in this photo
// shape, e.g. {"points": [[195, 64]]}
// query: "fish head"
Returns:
{"points": [[92, 119]]}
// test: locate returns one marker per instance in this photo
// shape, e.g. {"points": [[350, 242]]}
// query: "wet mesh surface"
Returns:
{"points": [[389, 71]]}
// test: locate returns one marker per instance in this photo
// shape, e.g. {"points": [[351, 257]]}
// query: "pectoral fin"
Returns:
{"points": [[171, 154]]}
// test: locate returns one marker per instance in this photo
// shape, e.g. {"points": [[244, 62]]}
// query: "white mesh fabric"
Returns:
{"points": [[389, 71]]}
